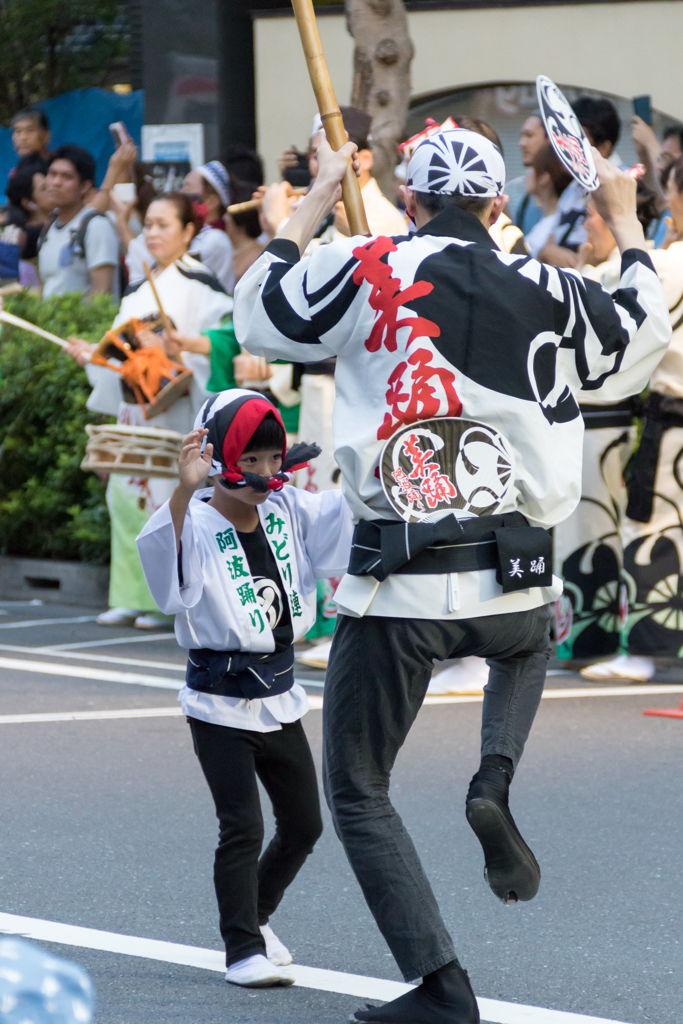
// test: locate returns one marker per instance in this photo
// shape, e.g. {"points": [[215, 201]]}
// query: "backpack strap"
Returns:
{"points": [[79, 247], [44, 230]]}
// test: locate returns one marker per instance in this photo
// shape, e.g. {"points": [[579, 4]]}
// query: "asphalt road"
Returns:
{"points": [[108, 824]]}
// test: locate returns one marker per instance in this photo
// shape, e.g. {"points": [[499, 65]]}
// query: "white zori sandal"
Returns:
{"points": [[628, 668], [257, 972]]}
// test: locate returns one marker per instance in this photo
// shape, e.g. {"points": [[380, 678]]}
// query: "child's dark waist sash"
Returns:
{"points": [[520, 553], [239, 674]]}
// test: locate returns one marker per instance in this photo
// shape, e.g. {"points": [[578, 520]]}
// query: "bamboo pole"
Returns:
{"points": [[164, 319], [255, 204], [329, 110], [10, 318]]}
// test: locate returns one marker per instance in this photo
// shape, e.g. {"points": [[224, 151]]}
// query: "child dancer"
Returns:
{"points": [[237, 564]]}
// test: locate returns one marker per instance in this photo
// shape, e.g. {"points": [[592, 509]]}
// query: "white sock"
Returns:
{"points": [[255, 972], [276, 951]]}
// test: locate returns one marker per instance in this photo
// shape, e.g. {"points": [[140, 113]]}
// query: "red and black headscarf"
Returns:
{"points": [[232, 418]]}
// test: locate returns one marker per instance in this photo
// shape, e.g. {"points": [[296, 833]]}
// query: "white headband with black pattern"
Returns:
{"points": [[457, 162]]}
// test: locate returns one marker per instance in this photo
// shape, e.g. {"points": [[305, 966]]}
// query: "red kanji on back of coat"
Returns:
{"points": [[387, 298]]}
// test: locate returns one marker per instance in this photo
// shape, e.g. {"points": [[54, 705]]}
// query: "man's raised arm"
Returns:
{"points": [[282, 304], [618, 339]]}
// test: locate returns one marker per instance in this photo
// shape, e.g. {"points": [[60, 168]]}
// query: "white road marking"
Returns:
{"points": [[561, 693], [114, 640], [76, 672], [45, 622], [108, 658], [90, 716], [492, 1010], [316, 703]]}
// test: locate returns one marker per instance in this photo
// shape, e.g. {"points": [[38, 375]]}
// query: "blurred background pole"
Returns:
{"points": [[329, 110], [237, 104]]}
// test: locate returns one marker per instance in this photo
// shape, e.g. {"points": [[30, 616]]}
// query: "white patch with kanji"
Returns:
{"points": [[446, 465], [257, 596]]}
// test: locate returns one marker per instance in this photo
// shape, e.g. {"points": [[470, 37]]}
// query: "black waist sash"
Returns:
{"points": [[521, 554], [239, 674], [618, 415], [662, 413], [324, 368]]}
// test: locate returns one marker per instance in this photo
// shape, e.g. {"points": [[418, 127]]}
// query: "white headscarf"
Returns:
{"points": [[457, 162]]}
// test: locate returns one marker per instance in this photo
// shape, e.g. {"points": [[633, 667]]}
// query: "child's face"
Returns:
{"points": [[265, 463]]}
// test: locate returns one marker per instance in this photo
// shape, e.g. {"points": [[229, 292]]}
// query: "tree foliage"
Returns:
{"points": [[49, 508], [52, 46]]}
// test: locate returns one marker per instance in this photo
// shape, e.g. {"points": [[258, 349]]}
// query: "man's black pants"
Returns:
{"points": [[248, 889], [378, 676]]}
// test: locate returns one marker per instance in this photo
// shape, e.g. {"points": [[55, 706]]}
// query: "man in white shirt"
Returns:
{"points": [[459, 438], [80, 251]]}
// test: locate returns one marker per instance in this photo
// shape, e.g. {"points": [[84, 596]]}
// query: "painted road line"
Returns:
{"points": [[23, 623], [493, 1010], [134, 678], [169, 635], [562, 694], [108, 658], [90, 716], [76, 672]]}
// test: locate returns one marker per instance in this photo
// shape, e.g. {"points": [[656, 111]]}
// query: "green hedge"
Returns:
{"points": [[49, 508]]}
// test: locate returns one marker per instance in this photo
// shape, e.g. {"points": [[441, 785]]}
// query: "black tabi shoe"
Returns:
{"points": [[444, 997], [511, 869]]}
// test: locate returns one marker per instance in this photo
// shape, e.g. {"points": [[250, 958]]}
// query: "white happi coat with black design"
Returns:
{"points": [[441, 323]]}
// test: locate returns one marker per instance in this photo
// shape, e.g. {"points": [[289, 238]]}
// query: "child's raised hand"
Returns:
{"points": [[193, 466]]}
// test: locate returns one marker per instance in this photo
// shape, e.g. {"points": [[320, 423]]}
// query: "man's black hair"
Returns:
{"points": [[38, 117], [83, 161], [599, 119], [267, 436], [243, 163], [674, 131], [241, 191], [437, 202]]}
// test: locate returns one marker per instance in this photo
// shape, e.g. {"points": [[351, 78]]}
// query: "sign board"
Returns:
{"points": [[173, 142]]}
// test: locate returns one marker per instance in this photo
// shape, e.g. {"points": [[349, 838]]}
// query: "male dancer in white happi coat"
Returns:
{"points": [[437, 335]]}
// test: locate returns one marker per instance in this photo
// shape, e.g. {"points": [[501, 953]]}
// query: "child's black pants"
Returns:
{"points": [[249, 889]]}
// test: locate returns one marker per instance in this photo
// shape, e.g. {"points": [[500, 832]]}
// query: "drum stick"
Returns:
{"points": [[10, 318], [329, 111], [255, 204], [164, 319]]}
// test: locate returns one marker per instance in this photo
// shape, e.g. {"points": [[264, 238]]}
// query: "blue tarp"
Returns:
{"points": [[82, 116]]}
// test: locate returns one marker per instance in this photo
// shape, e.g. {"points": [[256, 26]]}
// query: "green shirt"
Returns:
{"points": [[224, 348]]}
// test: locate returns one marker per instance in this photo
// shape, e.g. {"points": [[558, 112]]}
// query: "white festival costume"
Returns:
{"points": [[650, 554], [397, 315], [310, 537], [194, 300]]}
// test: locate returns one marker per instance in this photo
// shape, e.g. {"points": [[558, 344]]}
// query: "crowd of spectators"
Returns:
{"points": [[60, 232]]}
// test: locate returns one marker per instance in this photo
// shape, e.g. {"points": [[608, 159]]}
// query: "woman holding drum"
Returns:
{"points": [[191, 300]]}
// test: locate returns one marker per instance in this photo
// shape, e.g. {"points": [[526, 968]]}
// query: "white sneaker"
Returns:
{"points": [[629, 668], [117, 617], [469, 675], [276, 951], [154, 620], [256, 972]]}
